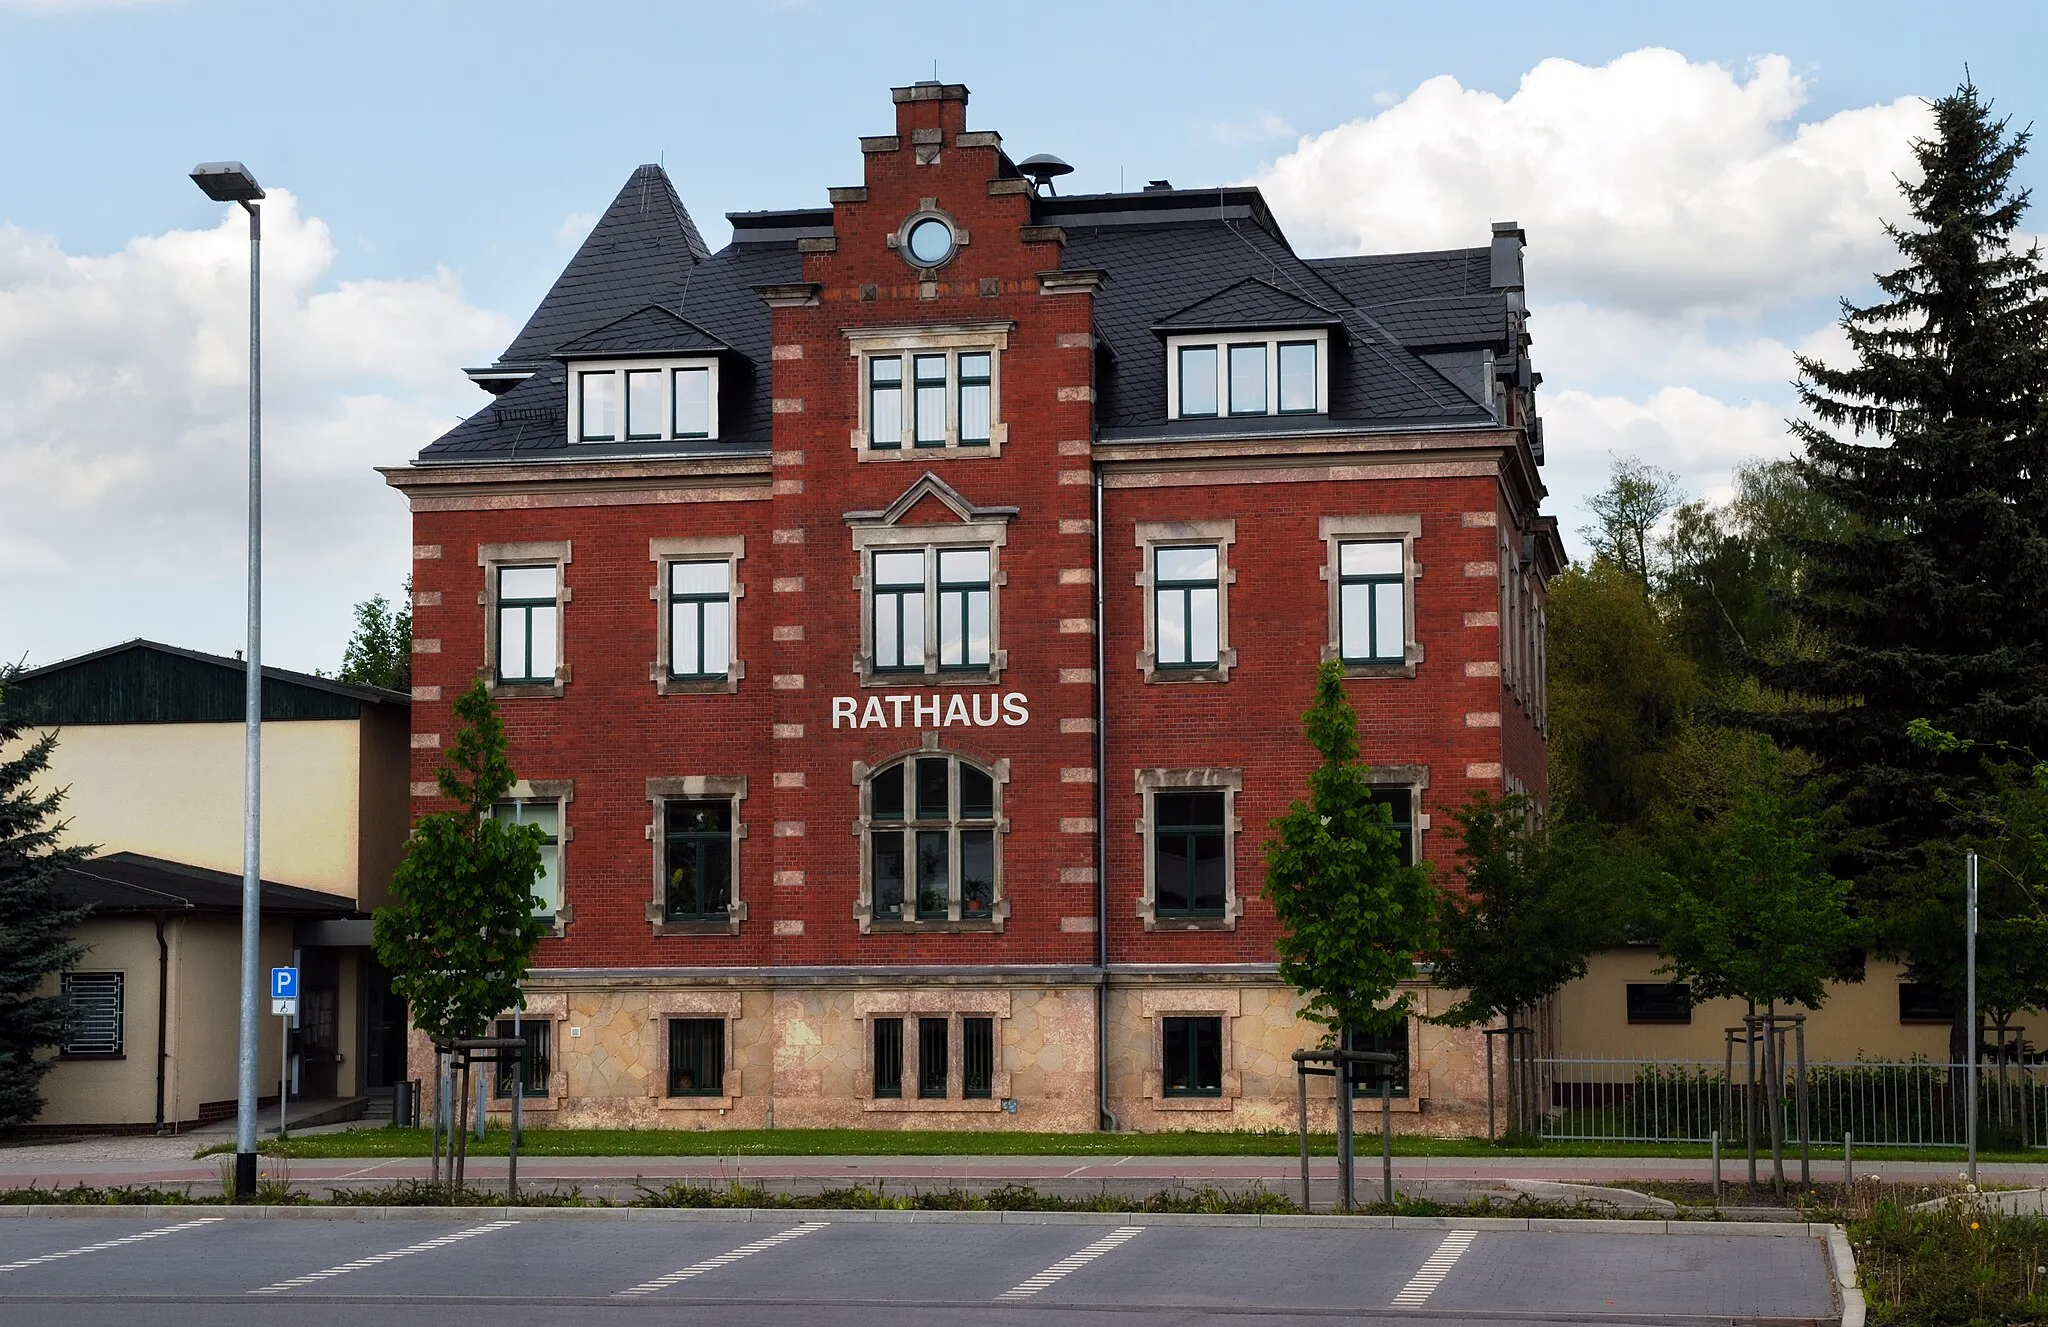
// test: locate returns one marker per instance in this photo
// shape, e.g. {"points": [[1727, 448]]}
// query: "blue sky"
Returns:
{"points": [[1693, 216]]}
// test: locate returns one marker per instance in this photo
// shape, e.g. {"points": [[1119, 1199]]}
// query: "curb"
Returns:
{"points": [[755, 1215], [1843, 1260]]}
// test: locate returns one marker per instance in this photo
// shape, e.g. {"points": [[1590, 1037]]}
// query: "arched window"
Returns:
{"points": [[932, 824]]}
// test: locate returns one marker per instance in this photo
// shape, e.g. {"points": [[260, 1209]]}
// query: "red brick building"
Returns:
{"points": [[903, 617]]}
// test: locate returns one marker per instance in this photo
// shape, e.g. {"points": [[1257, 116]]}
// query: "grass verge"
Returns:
{"points": [[1959, 1264], [394, 1142]]}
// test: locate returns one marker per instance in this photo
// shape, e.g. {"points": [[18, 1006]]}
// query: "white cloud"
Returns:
{"points": [[575, 226], [123, 433], [1651, 182], [1586, 344]]}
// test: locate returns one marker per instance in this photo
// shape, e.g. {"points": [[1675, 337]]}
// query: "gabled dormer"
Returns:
{"points": [[651, 376], [1250, 349]]}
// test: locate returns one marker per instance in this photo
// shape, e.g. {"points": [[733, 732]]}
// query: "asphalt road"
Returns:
{"points": [[820, 1272]]}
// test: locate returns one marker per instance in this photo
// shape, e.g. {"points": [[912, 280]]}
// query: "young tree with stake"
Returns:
{"points": [[461, 929]]}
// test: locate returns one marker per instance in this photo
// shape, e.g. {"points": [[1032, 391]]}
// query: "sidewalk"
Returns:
{"points": [[168, 1161]]}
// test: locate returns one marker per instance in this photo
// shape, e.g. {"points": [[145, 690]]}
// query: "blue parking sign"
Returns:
{"points": [[284, 983]]}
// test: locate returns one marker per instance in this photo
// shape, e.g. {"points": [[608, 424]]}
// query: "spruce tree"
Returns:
{"points": [[35, 940], [1929, 597]]}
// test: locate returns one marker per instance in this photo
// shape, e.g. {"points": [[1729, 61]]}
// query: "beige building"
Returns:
{"points": [[150, 755]]}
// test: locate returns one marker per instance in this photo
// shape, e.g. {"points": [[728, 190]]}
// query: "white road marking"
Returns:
{"points": [[359, 1264], [1073, 1262], [111, 1243], [1433, 1271], [713, 1264]]}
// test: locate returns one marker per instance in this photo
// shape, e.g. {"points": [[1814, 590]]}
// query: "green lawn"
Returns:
{"points": [[389, 1142]]}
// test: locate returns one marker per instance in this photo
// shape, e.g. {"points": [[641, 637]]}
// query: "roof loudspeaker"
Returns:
{"points": [[1043, 169]]}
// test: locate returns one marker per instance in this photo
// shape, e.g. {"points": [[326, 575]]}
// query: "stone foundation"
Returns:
{"points": [[799, 1055]]}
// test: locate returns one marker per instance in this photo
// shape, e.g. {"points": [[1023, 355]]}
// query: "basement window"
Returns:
{"points": [[94, 1025]]}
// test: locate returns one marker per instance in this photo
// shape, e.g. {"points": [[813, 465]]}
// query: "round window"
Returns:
{"points": [[930, 242]]}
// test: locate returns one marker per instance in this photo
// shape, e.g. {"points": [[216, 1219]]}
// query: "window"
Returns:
{"points": [[976, 400], [1371, 612], [700, 618], [696, 1057], [931, 1057], [1659, 1002], [528, 616], [536, 1067], [963, 608], [1370, 566], [1297, 377], [1366, 1078], [888, 1057], [1400, 804], [899, 611], [1248, 379], [547, 813], [928, 407], [1924, 1002], [929, 242], [962, 588], [977, 1057], [645, 402], [1191, 1056], [1186, 606], [698, 856], [1197, 381], [693, 403], [1188, 847], [932, 841], [93, 1022], [930, 390], [1247, 375], [885, 401], [597, 406]]}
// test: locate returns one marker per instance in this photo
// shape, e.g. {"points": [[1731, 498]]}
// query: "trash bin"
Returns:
{"points": [[404, 1103]]}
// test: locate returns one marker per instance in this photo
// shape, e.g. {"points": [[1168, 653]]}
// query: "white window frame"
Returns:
{"points": [[1272, 341], [730, 549], [952, 341], [619, 367], [1336, 531]]}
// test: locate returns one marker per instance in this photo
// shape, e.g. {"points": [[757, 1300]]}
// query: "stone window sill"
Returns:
{"points": [[897, 926], [526, 691], [724, 1103], [1218, 922], [1161, 676], [696, 686], [1353, 671], [931, 1105], [1194, 1103], [951, 677], [708, 926]]}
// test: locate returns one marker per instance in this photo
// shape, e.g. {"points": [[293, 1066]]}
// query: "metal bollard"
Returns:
{"points": [[1717, 1165], [1848, 1164]]}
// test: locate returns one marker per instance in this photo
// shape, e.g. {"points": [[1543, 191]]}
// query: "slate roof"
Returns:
{"points": [[649, 331], [131, 882], [145, 681], [1409, 332], [1251, 304]]}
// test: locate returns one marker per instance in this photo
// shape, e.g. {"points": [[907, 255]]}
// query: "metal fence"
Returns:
{"points": [[1887, 1103]]}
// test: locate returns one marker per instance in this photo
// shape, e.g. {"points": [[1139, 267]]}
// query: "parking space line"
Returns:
{"points": [[713, 1264], [1073, 1262], [111, 1243], [359, 1264], [1434, 1269]]}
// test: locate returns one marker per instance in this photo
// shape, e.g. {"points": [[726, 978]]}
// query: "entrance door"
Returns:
{"points": [[384, 1024], [319, 1022]]}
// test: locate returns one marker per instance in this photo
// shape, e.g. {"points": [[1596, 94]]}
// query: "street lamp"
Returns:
{"points": [[231, 182]]}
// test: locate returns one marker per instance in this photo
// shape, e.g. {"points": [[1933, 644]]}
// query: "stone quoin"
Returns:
{"points": [[902, 618]]}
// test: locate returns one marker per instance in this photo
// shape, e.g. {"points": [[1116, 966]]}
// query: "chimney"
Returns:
{"points": [[929, 106], [1507, 256]]}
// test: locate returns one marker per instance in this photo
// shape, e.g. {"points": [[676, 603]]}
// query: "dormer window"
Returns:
{"points": [[644, 401], [1276, 374]]}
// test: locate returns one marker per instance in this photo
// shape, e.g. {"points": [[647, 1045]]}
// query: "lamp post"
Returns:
{"points": [[231, 182]]}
